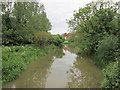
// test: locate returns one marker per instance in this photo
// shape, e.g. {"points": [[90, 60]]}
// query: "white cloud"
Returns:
{"points": [[60, 10]]}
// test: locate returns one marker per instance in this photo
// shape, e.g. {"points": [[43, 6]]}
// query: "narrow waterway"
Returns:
{"points": [[62, 69]]}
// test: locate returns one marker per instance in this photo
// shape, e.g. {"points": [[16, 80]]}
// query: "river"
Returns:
{"points": [[62, 69]]}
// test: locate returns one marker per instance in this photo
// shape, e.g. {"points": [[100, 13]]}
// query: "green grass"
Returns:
{"points": [[16, 58]]}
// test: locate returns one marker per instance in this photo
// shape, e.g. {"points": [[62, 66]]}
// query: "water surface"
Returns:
{"points": [[62, 69]]}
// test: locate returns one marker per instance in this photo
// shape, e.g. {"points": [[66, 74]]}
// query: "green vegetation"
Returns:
{"points": [[16, 58], [98, 35], [65, 42], [25, 36], [44, 38], [111, 74], [57, 40], [107, 50], [21, 20]]}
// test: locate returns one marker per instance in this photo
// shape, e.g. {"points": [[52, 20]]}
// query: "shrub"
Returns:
{"points": [[7, 37], [107, 49], [58, 40], [42, 38], [84, 42], [12, 63], [111, 74]]}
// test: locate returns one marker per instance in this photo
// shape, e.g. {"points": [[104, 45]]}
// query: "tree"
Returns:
{"points": [[93, 22], [22, 21]]}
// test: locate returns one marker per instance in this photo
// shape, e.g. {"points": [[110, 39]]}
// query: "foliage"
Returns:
{"points": [[92, 23], [107, 50], [72, 37], [42, 38], [39, 22], [21, 20], [97, 31], [65, 42], [73, 40], [15, 59], [111, 74], [58, 40]]}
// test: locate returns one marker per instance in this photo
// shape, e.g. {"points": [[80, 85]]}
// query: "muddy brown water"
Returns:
{"points": [[62, 69]]}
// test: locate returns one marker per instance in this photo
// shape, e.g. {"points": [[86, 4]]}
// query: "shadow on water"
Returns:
{"points": [[61, 69]]}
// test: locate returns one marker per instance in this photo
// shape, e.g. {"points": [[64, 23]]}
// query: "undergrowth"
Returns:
{"points": [[16, 58]]}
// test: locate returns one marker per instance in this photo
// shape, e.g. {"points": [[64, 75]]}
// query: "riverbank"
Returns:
{"points": [[109, 69], [16, 58]]}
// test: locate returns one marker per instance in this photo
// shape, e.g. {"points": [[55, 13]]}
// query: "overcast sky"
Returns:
{"points": [[60, 10]]}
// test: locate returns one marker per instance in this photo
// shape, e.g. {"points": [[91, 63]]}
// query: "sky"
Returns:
{"points": [[58, 11]]}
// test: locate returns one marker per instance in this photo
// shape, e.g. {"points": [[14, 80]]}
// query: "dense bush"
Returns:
{"points": [[91, 24], [42, 38], [8, 39], [107, 50], [15, 59], [111, 74], [58, 40], [81, 41], [73, 40]]}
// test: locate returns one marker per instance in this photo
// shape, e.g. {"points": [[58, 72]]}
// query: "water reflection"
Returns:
{"points": [[84, 74], [36, 73], [59, 70], [59, 53]]}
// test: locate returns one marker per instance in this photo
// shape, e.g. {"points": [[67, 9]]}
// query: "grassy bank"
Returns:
{"points": [[16, 58]]}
